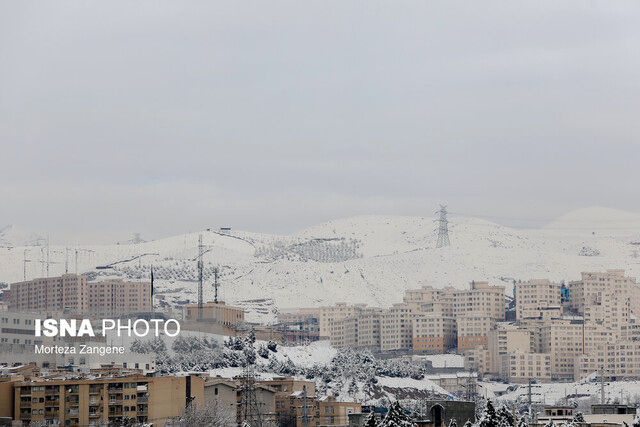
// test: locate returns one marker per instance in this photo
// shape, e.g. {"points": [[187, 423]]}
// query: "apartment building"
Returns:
{"points": [[473, 330], [362, 330], [396, 327], [297, 405], [88, 401], [534, 296], [433, 333], [616, 361], [479, 298], [113, 297], [63, 293], [217, 312], [564, 340], [226, 397], [331, 313], [505, 339], [17, 328], [71, 293], [604, 297], [524, 366]]}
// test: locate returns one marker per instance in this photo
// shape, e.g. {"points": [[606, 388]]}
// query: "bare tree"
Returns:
{"points": [[209, 415]]}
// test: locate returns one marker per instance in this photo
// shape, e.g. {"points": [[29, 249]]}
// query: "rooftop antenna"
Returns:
{"points": [[443, 227], [24, 266], [215, 284], [200, 276]]}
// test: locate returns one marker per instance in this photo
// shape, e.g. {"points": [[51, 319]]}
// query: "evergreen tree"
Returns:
{"points": [[371, 420], [578, 418], [396, 417], [523, 420], [505, 417], [489, 417]]}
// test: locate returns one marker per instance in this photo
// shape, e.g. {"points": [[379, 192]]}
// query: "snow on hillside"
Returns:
{"points": [[365, 259], [558, 393]]}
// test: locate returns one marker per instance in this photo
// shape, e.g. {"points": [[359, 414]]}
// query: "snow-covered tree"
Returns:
{"points": [[251, 337], [636, 421], [489, 417], [213, 415], [453, 423], [505, 417], [523, 420], [272, 346], [396, 417], [578, 418], [550, 424], [468, 424], [371, 420]]}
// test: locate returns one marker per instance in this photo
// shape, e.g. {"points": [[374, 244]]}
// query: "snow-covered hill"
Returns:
{"points": [[367, 259]]}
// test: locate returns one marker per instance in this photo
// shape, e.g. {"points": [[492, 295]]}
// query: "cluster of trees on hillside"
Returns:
{"points": [[318, 250], [354, 371]]}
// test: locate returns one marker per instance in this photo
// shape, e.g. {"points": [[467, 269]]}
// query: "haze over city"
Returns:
{"points": [[276, 116]]}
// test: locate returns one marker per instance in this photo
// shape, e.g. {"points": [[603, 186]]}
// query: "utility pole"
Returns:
{"points": [[200, 277], [215, 284], [66, 261], [602, 385], [443, 227], [24, 265], [305, 408], [48, 256]]}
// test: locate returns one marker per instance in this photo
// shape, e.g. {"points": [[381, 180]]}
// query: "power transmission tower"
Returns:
{"points": [[443, 227], [200, 276], [251, 411]]}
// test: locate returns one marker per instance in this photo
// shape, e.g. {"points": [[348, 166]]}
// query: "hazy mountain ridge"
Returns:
{"points": [[369, 259]]}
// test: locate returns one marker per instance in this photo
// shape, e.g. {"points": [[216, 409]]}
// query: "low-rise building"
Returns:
{"points": [[216, 312]]}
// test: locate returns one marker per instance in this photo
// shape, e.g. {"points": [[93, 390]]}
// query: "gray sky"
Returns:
{"points": [[166, 116]]}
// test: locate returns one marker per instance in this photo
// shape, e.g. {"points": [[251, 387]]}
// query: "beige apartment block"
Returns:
{"points": [[426, 294], [479, 298], [396, 327], [473, 330], [522, 367], [433, 333], [615, 361], [113, 297], [506, 338], [336, 312], [535, 295], [215, 312], [359, 331], [66, 292], [563, 339], [605, 297], [94, 401], [72, 293]]}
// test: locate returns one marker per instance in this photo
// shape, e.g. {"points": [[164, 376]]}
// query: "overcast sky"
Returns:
{"points": [[168, 116]]}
